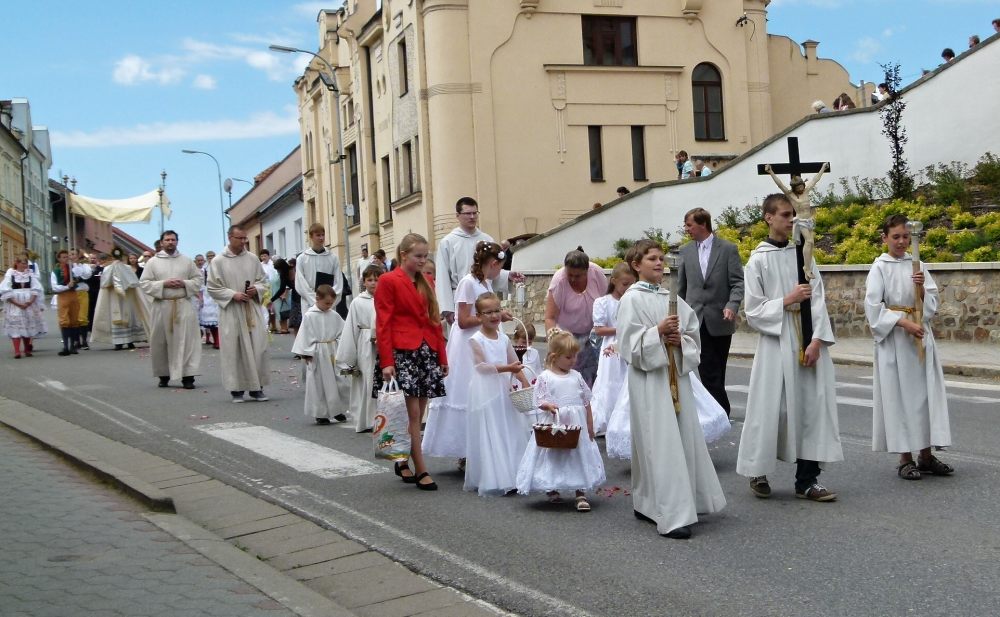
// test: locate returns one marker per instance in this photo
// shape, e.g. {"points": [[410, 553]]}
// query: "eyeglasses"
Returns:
{"points": [[476, 213], [496, 312]]}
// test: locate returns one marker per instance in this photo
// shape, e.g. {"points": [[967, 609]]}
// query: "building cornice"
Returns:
{"points": [[586, 68]]}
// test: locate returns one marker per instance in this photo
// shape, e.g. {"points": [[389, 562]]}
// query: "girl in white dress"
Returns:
{"points": [[910, 410], [208, 310], [22, 295], [562, 392], [444, 435], [496, 434], [611, 368]]}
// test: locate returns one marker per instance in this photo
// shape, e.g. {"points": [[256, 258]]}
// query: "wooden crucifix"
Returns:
{"points": [[798, 195]]}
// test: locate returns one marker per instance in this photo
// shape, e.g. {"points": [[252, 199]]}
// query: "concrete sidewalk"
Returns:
{"points": [[287, 564]]}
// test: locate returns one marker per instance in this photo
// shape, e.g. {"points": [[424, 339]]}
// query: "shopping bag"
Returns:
{"points": [[712, 417], [391, 427]]}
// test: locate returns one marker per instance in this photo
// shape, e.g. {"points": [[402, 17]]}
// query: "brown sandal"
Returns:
{"points": [[908, 471], [935, 466]]}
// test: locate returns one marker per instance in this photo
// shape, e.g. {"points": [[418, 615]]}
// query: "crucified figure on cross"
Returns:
{"points": [[798, 194]]}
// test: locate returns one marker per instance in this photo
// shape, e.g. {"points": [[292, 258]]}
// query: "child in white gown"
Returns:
{"points": [[611, 368]]}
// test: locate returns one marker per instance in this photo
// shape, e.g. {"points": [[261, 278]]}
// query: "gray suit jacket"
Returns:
{"points": [[721, 288]]}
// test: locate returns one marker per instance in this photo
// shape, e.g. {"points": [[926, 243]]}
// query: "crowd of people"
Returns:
{"points": [[627, 358]]}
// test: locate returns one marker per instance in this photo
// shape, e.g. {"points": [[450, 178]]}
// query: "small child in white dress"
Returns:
{"points": [[611, 368], [316, 343], [357, 349], [496, 434], [562, 392]]}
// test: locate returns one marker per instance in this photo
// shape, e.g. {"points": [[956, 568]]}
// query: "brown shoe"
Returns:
{"points": [[759, 487], [934, 466], [816, 493]]}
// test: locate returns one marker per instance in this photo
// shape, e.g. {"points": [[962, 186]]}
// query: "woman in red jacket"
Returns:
{"points": [[411, 344]]}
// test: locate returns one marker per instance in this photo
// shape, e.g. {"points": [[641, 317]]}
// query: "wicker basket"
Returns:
{"points": [[524, 399], [566, 438]]}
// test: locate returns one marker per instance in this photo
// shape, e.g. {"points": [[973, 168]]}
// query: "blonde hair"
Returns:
{"points": [[622, 267], [316, 227], [423, 285], [561, 343]]}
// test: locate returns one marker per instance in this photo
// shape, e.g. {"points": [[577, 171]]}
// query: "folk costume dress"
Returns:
{"points": [[175, 340], [611, 368], [910, 404], [496, 434], [673, 478], [242, 329], [791, 409], [208, 308], [555, 469], [317, 338], [444, 435], [357, 351], [21, 287], [120, 317]]}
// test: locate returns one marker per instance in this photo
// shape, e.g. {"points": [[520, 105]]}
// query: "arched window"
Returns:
{"points": [[706, 86]]}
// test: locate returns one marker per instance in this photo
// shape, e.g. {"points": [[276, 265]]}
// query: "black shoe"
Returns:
{"points": [[74, 352], [187, 383], [399, 467], [322, 421], [681, 533], [119, 347], [643, 517], [64, 352], [131, 345], [430, 486], [340, 417], [258, 395], [164, 381]]}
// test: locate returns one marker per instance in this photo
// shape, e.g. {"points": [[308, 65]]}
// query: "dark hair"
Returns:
{"points": [[893, 221], [527, 330], [638, 251], [771, 202], [380, 254], [325, 291], [700, 216], [884, 85], [60, 252], [974, 39], [996, 22], [485, 251], [465, 201], [948, 52], [577, 259], [682, 153], [483, 297], [372, 270], [169, 232], [264, 252], [281, 266], [621, 190], [229, 231]]}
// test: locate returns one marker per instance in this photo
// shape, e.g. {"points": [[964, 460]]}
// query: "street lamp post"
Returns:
{"points": [[161, 190], [228, 186], [332, 86], [222, 205]]}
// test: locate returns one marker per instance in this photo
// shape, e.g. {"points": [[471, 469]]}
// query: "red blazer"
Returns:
{"points": [[401, 320]]}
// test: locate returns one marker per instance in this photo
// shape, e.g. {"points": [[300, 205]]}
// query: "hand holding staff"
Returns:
{"points": [[915, 227]]}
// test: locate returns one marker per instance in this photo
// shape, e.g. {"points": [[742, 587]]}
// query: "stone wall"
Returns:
{"points": [[970, 300]]}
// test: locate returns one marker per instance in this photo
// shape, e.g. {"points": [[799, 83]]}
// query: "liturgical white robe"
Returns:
{"points": [[673, 478], [317, 339], [175, 338], [357, 351], [242, 329], [120, 316], [307, 264], [455, 255], [791, 409], [910, 404]]}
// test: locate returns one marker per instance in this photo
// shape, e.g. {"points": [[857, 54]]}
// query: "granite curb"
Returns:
{"points": [[311, 570]]}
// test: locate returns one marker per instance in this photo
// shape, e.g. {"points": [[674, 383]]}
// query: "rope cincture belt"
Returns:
{"points": [[909, 310], [797, 323]]}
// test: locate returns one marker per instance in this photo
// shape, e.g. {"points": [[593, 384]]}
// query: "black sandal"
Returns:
{"points": [[430, 486], [398, 468], [908, 471], [935, 466]]}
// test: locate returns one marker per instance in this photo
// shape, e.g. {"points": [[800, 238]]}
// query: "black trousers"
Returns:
{"points": [[714, 356], [806, 474]]}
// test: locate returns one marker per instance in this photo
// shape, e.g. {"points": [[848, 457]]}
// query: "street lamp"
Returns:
{"points": [[160, 191], [228, 187], [222, 206], [331, 84]]}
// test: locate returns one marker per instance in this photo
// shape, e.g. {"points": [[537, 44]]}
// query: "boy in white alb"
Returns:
{"points": [[357, 349], [316, 344]]}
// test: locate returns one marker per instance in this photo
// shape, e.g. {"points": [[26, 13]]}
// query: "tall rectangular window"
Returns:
{"points": [[638, 153], [415, 163], [596, 156], [352, 170], [404, 82], [609, 41], [281, 242], [297, 238], [386, 189], [406, 166]]}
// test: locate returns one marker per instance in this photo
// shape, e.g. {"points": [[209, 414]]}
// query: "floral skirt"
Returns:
{"points": [[418, 373]]}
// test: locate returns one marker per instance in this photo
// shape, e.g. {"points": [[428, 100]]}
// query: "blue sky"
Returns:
{"points": [[124, 86]]}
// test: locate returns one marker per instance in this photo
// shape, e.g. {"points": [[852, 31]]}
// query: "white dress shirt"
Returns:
{"points": [[704, 251]]}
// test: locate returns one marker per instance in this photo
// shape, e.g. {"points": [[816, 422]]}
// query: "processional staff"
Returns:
{"points": [[672, 262], [915, 228]]}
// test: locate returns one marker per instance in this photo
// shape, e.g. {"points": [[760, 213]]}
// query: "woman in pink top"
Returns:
{"points": [[570, 306]]}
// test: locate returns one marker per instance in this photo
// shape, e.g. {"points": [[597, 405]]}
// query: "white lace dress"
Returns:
{"points": [[21, 287], [618, 439], [497, 434], [552, 469], [444, 435], [611, 369]]}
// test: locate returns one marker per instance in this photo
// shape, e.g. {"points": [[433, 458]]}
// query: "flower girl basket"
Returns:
{"points": [[556, 436], [523, 399]]}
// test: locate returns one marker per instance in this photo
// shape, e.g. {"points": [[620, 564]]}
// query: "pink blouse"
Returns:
{"points": [[576, 310]]}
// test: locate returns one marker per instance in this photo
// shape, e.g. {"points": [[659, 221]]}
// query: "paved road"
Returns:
{"points": [[886, 547]]}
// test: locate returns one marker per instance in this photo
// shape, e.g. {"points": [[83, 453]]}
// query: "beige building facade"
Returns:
{"points": [[537, 108]]}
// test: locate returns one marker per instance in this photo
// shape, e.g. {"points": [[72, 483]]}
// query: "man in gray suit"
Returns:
{"points": [[711, 282]]}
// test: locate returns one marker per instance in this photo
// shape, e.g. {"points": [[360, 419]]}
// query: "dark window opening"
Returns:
{"points": [[706, 86], [609, 41]]}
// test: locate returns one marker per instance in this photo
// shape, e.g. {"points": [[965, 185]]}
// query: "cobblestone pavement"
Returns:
{"points": [[72, 546]]}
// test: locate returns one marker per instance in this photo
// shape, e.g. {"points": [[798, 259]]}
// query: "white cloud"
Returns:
{"points": [[312, 9], [204, 82], [134, 69], [824, 4], [866, 49], [265, 124]]}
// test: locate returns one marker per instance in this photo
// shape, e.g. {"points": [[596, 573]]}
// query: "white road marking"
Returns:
{"points": [[841, 400], [554, 604], [867, 402], [299, 454], [70, 395]]}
